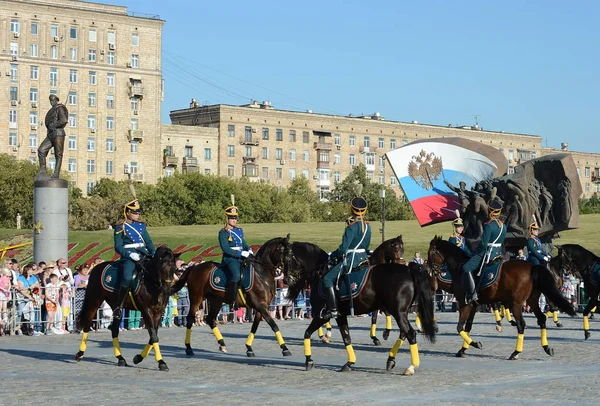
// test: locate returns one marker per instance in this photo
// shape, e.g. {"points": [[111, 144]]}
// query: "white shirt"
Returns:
{"points": [[66, 271]]}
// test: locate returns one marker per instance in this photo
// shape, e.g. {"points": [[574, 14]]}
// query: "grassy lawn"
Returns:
{"points": [[326, 235]]}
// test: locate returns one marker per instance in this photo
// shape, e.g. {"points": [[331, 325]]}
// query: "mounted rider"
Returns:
{"points": [[131, 240], [235, 249], [457, 236], [536, 254], [351, 252], [490, 249]]}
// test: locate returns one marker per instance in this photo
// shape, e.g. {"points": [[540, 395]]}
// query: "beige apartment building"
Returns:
{"points": [[266, 144], [104, 64]]}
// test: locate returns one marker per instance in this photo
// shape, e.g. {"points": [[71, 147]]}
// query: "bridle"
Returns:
{"points": [[434, 265]]}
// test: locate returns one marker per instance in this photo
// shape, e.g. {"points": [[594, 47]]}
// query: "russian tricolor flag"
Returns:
{"points": [[421, 174]]}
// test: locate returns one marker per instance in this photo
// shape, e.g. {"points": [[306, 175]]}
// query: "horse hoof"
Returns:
{"points": [[250, 354], [325, 340], [514, 356], [587, 334], [549, 350], [409, 371], [347, 367], [477, 344], [79, 356], [513, 323], [436, 328], [122, 362], [499, 329], [461, 353], [189, 351], [286, 353], [391, 363], [137, 359], [376, 341], [223, 349], [162, 365], [559, 324], [419, 329], [328, 334], [386, 334], [309, 365]]}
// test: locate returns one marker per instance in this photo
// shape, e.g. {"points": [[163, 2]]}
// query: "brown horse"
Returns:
{"points": [[518, 282], [150, 299], [270, 258]]}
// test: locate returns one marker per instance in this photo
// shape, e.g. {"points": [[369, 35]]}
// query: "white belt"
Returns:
{"points": [[136, 245], [358, 251], [494, 245], [236, 248]]}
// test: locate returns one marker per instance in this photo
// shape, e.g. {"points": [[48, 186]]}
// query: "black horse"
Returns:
{"points": [[150, 299], [576, 259], [391, 286]]}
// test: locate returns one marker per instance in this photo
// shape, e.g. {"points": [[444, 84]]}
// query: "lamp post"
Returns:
{"points": [[382, 196]]}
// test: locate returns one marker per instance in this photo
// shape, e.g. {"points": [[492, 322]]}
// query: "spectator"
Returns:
{"points": [[97, 261], [301, 305], [14, 268], [65, 305], [5, 296], [283, 301], [25, 306], [52, 300], [81, 282], [417, 259], [44, 281], [521, 255], [183, 301], [65, 273], [133, 320]]}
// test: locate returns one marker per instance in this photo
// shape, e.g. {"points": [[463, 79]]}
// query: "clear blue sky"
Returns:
{"points": [[522, 66]]}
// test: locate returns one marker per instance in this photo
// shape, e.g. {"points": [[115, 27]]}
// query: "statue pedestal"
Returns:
{"points": [[50, 219]]}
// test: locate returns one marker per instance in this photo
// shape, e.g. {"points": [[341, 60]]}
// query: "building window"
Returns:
{"points": [[33, 95], [53, 52], [292, 135], [73, 76], [33, 50], [231, 130], [109, 167], [91, 122], [278, 173], [91, 144], [72, 120], [92, 99], [248, 151], [110, 145], [12, 139], [14, 93], [370, 159], [92, 55], [230, 150], [323, 156], [587, 188], [72, 142], [511, 155], [135, 104], [135, 61], [34, 28], [188, 151], [337, 177], [337, 139], [135, 148], [14, 49], [337, 158], [305, 155], [110, 123], [352, 159], [305, 137], [135, 40], [73, 32], [381, 143], [92, 78], [14, 72], [135, 124], [207, 154], [14, 26], [279, 134], [92, 37], [54, 30], [381, 162], [34, 73], [230, 171], [12, 119], [305, 173], [292, 173], [292, 153], [73, 54], [72, 167], [392, 144], [72, 99], [265, 172], [91, 166], [207, 171], [265, 153], [392, 180], [404, 142], [110, 58], [265, 133], [278, 153], [90, 186], [587, 172], [367, 142], [33, 141], [110, 101], [33, 118], [111, 37], [169, 171], [352, 141]]}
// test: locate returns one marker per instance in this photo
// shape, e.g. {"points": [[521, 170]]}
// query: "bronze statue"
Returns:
{"points": [[56, 120]]}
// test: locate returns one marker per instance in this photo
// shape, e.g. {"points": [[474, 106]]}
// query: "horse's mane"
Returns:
{"points": [[581, 258], [311, 261], [157, 260], [450, 250]]}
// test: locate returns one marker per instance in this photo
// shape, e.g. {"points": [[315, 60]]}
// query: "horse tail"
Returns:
{"points": [[425, 302], [544, 282]]}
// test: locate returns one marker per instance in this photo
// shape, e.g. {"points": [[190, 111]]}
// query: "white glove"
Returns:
{"points": [[250, 251], [546, 258], [135, 256], [245, 254]]}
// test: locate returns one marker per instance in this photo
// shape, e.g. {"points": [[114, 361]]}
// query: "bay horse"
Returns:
{"points": [[574, 258], [150, 299], [270, 258], [391, 286], [518, 282]]}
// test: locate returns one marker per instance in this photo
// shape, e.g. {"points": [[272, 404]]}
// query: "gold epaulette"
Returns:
{"points": [[122, 229]]}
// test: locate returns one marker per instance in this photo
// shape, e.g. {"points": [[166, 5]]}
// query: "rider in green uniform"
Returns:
{"points": [[457, 237], [351, 252], [536, 254], [490, 248]]}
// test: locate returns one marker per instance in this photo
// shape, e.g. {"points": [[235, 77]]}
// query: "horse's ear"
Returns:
{"points": [[287, 238], [176, 256], [399, 238]]}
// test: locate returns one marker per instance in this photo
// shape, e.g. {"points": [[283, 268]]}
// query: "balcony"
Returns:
{"points": [[250, 170], [364, 149], [323, 183], [246, 140], [136, 91], [328, 146], [137, 177], [322, 164], [250, 160], [190, 161], [596, 178], [170, 160], [135, 135]]}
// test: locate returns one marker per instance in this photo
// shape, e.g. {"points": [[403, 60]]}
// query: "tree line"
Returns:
{"points": [[187, 199]]}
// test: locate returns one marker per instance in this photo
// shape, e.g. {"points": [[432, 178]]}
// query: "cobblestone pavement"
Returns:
{"points": [[210, 377]]}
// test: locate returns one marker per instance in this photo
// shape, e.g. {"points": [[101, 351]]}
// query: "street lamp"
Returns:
{"points": [[382, 196]]}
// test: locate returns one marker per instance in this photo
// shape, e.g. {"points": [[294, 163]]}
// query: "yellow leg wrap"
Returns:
{"points": [[157, 354], [373, 329], [586, 323], [396, 347], [434, 319], [83, 344], [507, 315], [351, 355], [548, 314], [320, 331], [593, 310], [217, 333], [555, 317], [117, 347], [279, 338], [250, 339], [307, 350], [465, 336], [328, 325], [388, 322], [520, 338], [146, 350], [188, 336], [544, 334], [417, 320], [497, 315], [414, 355]]}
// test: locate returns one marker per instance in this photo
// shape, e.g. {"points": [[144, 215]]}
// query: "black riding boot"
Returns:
{"points": [[118, 311], [231, 293], [331, 311], [469, 286]]}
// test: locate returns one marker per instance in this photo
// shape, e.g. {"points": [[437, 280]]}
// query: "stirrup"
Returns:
{"points": [[327, 314]]}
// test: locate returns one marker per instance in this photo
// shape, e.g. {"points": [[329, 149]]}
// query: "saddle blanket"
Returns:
{"points": [[445, 275], [110, 279], [489, 275], [357, 281], [595, 279], [218, 279]]}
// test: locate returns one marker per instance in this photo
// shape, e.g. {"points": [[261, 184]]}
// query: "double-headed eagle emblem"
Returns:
{"points": [[424, 168]]}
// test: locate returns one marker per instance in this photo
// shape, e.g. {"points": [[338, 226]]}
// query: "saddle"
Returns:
{"points": [[218, 278], [111, 280]]}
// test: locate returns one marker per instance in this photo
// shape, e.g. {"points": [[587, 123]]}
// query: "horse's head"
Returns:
{"points": [[390, 251], [397, 246], [573, 258], [162, 266], [275, 254], [435, 256], [308, 261]]}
